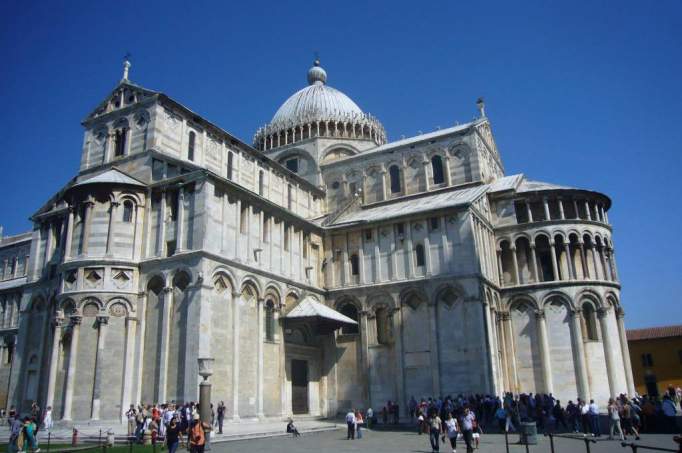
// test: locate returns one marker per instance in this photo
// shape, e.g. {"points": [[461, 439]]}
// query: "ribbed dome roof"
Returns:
{"points": [[317, 101]]}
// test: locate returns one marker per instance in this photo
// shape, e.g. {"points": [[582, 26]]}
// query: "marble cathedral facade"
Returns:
{"points": [[321, 267]]}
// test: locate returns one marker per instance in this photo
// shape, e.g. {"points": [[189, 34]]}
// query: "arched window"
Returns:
{"points": [[269, 321], [394, 174], [190, 145], [120, 142], [590, 318], [261, 182], [127, 211], [229, 164], [419, 254], [352, 312], [354, 265], [437, 169]]}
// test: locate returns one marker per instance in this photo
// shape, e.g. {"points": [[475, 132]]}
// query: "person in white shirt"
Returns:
{"points": [[370, 415], [452, 430], [350, 421]]}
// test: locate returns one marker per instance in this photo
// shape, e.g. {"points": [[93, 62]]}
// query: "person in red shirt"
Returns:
{"points": [[197, 439]]}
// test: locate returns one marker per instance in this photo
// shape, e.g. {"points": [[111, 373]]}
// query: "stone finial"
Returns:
{"points": [[481, 106], [126, 66]]}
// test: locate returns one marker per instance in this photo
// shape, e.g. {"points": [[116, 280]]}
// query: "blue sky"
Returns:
{"points": [[585, 94]]}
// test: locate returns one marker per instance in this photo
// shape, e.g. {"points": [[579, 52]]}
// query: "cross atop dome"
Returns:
{"points": [[126, 65]]}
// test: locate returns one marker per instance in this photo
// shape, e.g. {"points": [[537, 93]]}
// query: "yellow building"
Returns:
{"points": [[656, 355]]}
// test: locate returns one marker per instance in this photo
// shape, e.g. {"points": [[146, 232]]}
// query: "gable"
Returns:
{"points": [[125, 94]]}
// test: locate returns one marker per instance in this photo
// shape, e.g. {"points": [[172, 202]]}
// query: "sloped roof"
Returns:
{"points": [[532, 186], [654, 332], [111, 176], [506, 183], [310, 308], [413, 205]]}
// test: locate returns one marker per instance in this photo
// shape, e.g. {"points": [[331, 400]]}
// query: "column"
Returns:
{"points": [[259, 352], [569, 261], [612, 260], [529, 212], [433, 346], [515, 262], [383, 185], [364, 344], [409, 249], [377, 256], [604, 267], [603, 314], [89, 205], [492, 356], [165, 338], [579, 355], [534, 263], [236, 301], [587, 210], [593, 247], [361, 260], [160, 240], [544, 351], [110, 230], [499, 266], [54, 358], [555, 266], [180, 222], [427, 253], [583, 261], [545, 204], [625, 351], [102, 322], [509, 340], [575, 207], [49, 245], [427, 183], [399, 369], [237, 227], [128, 357], [562, 215], [69, 233], [506, 382], [71, 371]]}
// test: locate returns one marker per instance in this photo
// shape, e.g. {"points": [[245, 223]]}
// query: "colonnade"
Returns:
{"points": [[546, 259], [613, 343], [364, 127], [560, 208]]}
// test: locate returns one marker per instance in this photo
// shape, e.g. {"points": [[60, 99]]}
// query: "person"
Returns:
{"points": [[221, 416], [452, 430], [370, 418], [501, 417], [291, 428], [468, 429], [47, 419], [669, 413], [30, 432], [477, 431], [614, 419], [358, 424], [412, 407], [350, 421], [396, 413], [594, 419], [11, 416], [435, 426], [197, 439], [16, 432], [628, 425], [558, 414], [173, 436], [420, 423]]}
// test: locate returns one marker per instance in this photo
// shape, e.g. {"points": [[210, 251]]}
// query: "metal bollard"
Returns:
{"points": [[587, 443], [506, 439], [49, 435], [551, 442]]}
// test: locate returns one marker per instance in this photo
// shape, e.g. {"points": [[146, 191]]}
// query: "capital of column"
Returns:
{"points": [[576, 312], [102, 319], [115, 203], [602, 312], [620, 312], [76, 320], [167, 289], [131, 319], [89, 201], [540, 314], [58, 321]]}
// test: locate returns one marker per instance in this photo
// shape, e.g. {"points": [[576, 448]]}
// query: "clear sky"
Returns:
{"points": [[586, 94]]}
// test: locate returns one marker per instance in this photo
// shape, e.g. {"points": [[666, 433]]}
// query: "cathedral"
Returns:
{"points": [[319, 268]]}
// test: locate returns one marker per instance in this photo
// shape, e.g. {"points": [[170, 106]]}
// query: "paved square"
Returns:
{"points": [[401, 441]]}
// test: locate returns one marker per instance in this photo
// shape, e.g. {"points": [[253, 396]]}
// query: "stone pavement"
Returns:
{"points": [[231, 431], [401, 441]]}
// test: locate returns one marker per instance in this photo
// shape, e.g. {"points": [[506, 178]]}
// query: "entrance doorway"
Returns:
{"points": [[299, 386]]}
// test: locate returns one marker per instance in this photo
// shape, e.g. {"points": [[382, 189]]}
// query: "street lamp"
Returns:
{"points": [[205, 371]]}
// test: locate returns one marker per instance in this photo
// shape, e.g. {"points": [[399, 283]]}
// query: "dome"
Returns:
{"points": [[318, 110], [317, 101]]}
